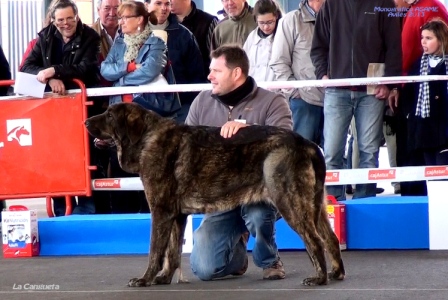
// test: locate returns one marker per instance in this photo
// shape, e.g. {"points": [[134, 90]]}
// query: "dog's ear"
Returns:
{"points": [[135, 125]]}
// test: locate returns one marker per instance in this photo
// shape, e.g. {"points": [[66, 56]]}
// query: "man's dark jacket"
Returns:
{"points": [[201, 24], [79, 56], [185, 57], [350, 34]]}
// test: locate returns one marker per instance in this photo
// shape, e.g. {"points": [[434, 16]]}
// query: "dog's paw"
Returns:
{"points": [[162, 279], [312, 281], [138, 282], [182, 280], [336, 275]]}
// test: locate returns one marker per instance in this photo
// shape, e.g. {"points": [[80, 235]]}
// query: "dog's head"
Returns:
{"points": [[125, 123]]}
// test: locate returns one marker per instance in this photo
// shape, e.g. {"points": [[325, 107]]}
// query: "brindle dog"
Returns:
{"points": [[192, 169]]}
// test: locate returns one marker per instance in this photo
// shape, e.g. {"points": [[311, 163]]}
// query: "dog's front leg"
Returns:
{"points": [[173, 254], [160, 235]]}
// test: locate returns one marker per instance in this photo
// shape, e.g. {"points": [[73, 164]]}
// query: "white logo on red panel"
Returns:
{"points": [[19, 131]]}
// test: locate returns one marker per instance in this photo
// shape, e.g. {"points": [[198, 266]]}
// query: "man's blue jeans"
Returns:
{"points": [[217, 249], [307, 119], [340, 105]]}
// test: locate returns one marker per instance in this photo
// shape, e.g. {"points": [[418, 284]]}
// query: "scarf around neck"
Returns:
{"points": [[134, 42], [423, 108]]}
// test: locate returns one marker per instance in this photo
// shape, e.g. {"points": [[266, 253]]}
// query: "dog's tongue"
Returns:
{"points": [[103, 144]]}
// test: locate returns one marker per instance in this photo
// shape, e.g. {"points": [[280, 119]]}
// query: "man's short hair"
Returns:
{"points": [[60, 4], [235, 57]]}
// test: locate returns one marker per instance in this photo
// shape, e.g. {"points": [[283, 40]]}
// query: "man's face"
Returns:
{"points": [[222, 78], [177, 6], [108, 13], [65, 20], [233, 8], [162, 9]]}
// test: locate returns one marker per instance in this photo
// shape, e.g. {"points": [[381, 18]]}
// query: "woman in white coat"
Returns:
{"points": [[259, 42]]}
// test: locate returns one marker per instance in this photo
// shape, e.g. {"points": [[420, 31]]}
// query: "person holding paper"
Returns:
{"points": [[66, 49], [349, 35]]}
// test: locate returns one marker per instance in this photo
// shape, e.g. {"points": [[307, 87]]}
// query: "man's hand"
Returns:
{"points": [[45, 74], [393, 99], [325, 77], [231, 128], [381, 92], [57, 86]]}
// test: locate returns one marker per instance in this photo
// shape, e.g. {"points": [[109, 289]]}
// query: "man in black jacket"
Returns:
{"points": [[66, 49], [349, 36], [200, 23]]}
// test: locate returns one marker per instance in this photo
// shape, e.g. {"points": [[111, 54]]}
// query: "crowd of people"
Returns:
{"points": [[172, 41]]}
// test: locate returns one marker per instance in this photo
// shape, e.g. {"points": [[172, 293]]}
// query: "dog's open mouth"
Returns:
{"points": [[104, 144]]}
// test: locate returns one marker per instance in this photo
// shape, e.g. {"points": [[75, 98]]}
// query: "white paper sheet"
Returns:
{"points": [[27, 84]]}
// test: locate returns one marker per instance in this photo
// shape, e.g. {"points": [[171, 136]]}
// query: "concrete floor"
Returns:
{"points": [[370, 275]]}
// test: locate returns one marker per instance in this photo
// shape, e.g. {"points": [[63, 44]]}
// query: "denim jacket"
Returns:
{"points": [[152, 57]]}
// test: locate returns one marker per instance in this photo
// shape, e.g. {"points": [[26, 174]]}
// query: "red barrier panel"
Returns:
{"points": [[44, 148]]}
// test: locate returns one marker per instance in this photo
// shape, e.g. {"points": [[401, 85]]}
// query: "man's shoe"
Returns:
{"points": [[244, 239], [244, 268], [397, 189], [379, 190], [349, 189], [275, 271]]}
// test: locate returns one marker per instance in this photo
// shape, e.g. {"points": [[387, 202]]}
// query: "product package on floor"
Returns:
{"points": [[19, 232]]}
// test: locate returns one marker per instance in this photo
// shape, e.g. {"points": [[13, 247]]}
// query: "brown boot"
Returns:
{"points": [[275, 271], [244, 238]]}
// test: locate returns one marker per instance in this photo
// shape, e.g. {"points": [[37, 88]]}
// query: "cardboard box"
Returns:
{"points": [[19, 232], [336, 215]]}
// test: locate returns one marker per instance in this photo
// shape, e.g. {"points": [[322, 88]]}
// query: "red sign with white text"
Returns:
{"points": [[332, 176], [382, 174], [107, 183], [436, 171]]}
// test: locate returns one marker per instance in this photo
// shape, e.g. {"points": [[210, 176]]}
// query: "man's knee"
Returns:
{"points": [[258, 216], [202, 270]]}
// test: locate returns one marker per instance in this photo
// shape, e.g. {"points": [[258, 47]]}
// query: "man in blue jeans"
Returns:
{"points": [[349, 35], [234, 102]]}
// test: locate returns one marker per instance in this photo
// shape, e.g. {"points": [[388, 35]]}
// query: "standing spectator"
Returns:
{"points": [[5, 74], [344, 44], [291, 61], [200, 23], [137, 57], [237, 26], [107, 25], [258, 45], [428, 119], [220, 242], [66, 49], [183, 52], [419, 13], [412, 50]]}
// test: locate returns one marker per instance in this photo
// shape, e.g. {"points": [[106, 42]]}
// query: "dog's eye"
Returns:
{"points": [[109, 115]]}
